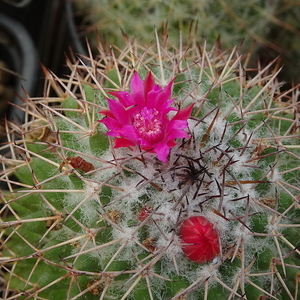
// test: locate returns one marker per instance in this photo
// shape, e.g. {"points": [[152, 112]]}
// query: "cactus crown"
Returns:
{"points": [[85, 220]]}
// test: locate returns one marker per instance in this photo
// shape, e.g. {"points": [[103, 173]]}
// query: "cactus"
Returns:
{"points": [[270, 27], [212, 18], [89, 214]]}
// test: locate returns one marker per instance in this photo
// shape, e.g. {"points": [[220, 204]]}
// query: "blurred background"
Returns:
{"points": [[34, 32]]}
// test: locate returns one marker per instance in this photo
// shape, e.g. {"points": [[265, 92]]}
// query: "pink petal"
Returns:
{"points": [[177, 134], [107, 113], [125, 98], [166, 107], [129, 132], [122, 142], [152, 98], [165, 95], [162, 151], [113, 133], [111, 123], [171, 143], [184, 114], [148, 84], [178, 124], [119, 112], [137, 89]]}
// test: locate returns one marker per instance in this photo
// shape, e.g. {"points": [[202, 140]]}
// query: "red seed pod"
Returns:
{"points": [[144, 213], [200, 241]]}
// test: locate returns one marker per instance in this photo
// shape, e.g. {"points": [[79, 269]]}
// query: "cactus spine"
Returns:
{"points": [[84, 220]]}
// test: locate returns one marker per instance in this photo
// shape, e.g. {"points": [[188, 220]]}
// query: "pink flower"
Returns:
{"points": [[200, 241], [140, 118]]}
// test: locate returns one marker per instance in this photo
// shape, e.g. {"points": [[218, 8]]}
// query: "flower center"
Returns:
{"points": [[148, 125]]}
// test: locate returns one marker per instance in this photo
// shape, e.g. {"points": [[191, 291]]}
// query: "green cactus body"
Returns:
{"points": [[273, 25], [72, 225], [212, 18]]}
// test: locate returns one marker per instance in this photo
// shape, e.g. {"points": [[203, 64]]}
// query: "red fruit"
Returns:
{"points": [[144, 213], [200, 241]]}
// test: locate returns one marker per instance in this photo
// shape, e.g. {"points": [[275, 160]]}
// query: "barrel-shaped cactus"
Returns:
{"points": [[154, 173]]}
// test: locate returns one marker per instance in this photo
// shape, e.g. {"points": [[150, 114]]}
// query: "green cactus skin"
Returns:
{"points": [[232, 20], [70, 230], [271, 28]]}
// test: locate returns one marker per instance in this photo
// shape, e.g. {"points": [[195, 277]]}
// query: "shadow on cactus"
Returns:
{"points": [[194, 196]]}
